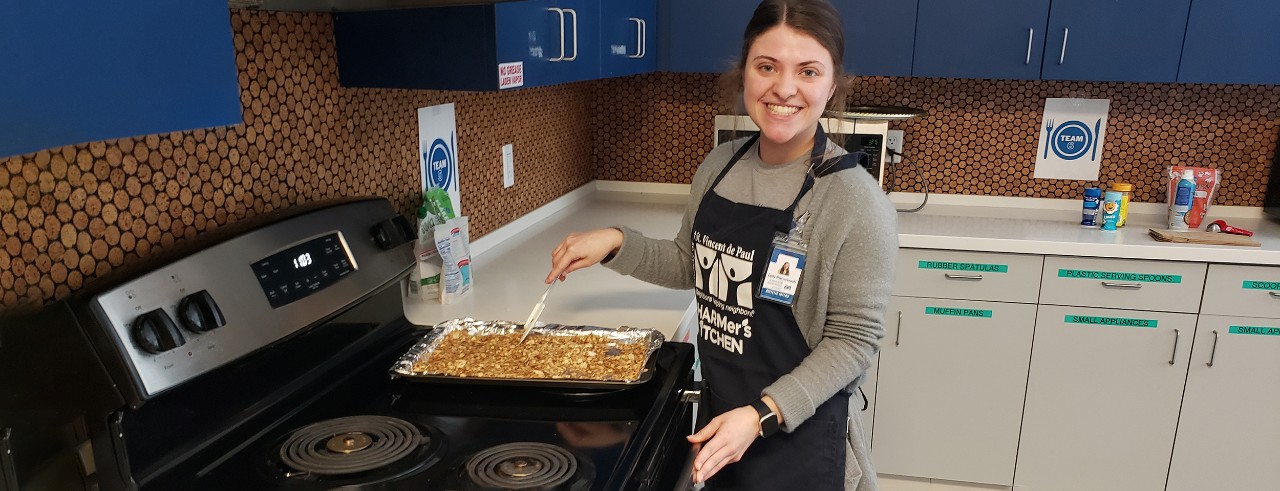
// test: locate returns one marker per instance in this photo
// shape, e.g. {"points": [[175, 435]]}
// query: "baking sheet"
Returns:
{"points": [[404, 367]]}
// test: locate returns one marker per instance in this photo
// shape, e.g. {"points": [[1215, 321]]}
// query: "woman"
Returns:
{"points": [[776, 352]]}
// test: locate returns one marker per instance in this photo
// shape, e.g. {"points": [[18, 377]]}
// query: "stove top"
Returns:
{"points": [[433, 452], [375, 432]]}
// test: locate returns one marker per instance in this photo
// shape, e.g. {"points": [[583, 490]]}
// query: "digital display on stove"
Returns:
{"points": [[304, 269]]}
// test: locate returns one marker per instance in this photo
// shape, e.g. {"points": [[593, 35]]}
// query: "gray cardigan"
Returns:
{"points": [[840, 304]]}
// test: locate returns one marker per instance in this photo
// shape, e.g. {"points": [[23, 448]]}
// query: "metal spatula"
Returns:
{"points": [[537, 311]]}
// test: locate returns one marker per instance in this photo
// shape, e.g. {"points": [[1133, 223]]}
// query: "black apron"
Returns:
{"points": [[746, 343]]}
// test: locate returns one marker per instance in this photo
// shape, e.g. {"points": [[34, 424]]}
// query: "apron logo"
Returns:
{"points": [[722, 274]]}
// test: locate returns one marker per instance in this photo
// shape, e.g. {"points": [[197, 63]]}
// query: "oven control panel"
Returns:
{"points": [[306, 268], [223, 302]]}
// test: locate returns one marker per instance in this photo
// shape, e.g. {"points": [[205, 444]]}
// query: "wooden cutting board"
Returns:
{"points": [[1213, 238]]}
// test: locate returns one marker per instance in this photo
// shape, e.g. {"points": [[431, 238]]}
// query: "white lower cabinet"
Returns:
{"points": [[1129, 375], [950, 387], [1102, 399], [1229, 431]]}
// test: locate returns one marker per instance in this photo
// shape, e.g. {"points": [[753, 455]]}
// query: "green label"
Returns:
{"points": [[1261, 285], [1262, 331], [1110, 321], [957, 312], [1113, 275], [981, 268]]}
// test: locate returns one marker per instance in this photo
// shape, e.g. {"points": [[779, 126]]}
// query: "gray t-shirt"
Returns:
{"points": [[752, 181]]}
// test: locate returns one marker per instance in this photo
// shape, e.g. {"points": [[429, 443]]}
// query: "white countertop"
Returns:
{"points": [[1047, 226], [510, 263], [509, 273]]}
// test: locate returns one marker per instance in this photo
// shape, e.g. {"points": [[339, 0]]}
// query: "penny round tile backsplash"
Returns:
{"points": [[979, 136], [69, 215]]}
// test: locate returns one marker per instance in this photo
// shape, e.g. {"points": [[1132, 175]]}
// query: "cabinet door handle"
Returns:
{"points": [[952, 276], [1062, 55], [1112, 284], [1274, 294], [573, 13], [898, 337], [1214, 351], [644, 40], [639, 37], [1175, 347], [559, 12], [1031, 34]]}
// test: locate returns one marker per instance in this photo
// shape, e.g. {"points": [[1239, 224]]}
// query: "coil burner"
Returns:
{"points": [[522, 465], [350, 445]]}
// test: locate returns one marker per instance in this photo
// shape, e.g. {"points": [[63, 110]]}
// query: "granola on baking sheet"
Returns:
{"points": [[502, 355]]}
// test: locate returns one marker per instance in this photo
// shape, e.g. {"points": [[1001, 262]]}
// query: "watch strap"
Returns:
{"points": [[768, 418]]}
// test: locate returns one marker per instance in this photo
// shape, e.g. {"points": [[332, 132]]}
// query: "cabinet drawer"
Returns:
{"points": [[1251, 291], [968, 275], [1123, 283]]}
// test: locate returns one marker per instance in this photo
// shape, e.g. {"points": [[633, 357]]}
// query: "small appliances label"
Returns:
{"points": [[510, 75]]}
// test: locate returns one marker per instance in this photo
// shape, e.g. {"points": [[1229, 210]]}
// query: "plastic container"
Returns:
{"points": [[1111, 209], [1126, 194], [1207, 183], [1092, 200], [1181, 204]]}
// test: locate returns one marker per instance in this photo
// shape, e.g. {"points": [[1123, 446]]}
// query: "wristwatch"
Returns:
{"points": [[768, 419]]}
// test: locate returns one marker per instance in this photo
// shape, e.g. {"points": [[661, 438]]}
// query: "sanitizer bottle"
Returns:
{"points": [[1182, 197]]}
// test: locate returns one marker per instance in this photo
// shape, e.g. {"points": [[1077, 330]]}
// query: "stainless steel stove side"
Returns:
{"points": [[662, 434], [225, 271]]}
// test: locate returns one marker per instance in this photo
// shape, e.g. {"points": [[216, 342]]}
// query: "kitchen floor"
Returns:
{"points": [[899, 483]]}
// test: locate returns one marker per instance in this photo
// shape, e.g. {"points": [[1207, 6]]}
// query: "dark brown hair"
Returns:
{"points": [[817, 18]]}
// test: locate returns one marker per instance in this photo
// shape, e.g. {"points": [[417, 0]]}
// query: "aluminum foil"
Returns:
{"points": [[423, 349]]}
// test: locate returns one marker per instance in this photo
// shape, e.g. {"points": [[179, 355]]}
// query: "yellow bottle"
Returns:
{"points": [[1126, 191]]}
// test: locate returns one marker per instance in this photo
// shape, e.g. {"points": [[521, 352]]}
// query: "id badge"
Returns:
{"points": [[782, 275]]}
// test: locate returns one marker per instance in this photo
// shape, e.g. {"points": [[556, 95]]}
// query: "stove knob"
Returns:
{"points": [[155, 332], [199, 313], [392, 232]]}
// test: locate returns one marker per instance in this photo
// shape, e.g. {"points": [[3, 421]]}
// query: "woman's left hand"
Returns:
{"points": [[726, 438]]}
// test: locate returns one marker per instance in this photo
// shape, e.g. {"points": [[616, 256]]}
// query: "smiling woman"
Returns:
{"points": [[780, 366]]}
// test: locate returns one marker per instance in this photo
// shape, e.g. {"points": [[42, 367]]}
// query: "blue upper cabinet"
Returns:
{"points": [[706, 35], [702, 35], [1118, 41], [499, 46], [628, 37], [879, 36], [1232, 41], [556, 41], [84, 71], [1001, 39]]}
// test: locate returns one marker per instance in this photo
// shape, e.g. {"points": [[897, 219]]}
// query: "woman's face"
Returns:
{"points": [[787, 80]]}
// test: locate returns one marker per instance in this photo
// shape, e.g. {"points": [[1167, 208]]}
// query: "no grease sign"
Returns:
{"points": [[510, 75]]}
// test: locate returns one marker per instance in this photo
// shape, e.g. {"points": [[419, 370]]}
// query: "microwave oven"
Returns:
{"points": [[854, 135]]}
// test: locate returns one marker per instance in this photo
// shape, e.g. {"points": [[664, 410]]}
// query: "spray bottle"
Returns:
{"points": [[1181, 204]]}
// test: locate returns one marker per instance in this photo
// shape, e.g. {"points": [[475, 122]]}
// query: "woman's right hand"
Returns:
{"points": [[583, 249]]}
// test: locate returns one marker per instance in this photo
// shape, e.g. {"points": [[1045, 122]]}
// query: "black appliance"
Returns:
{"points": [[1271, 201], [258, 357]]}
